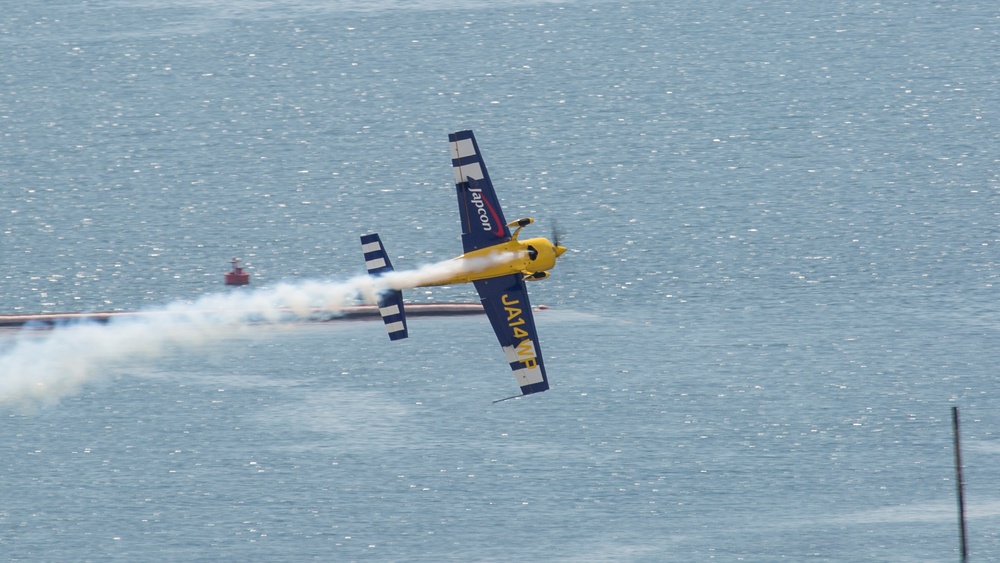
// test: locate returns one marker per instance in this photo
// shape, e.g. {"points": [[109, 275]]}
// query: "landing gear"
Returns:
{"points": [[520, 224]]}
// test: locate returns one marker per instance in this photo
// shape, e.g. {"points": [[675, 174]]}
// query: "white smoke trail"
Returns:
{"points": [[43, 369]]}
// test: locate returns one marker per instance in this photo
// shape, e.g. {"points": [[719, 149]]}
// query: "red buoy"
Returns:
{"points": [[237, 276]]}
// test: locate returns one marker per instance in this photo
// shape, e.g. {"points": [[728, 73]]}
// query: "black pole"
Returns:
{"points": [[961, 484]]}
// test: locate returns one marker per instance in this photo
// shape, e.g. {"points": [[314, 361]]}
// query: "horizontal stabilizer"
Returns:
{"points": [[390, 306], [390, 301]]}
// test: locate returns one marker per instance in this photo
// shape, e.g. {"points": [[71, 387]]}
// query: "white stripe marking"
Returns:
{"points": [[394, 327], [374, 264], [511, 354], [462, 148], [528, 376], [371, 247], [464, 172], [389, 311]]}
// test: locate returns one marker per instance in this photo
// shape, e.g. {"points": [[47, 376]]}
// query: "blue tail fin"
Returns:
{"points": [[390, 302]]}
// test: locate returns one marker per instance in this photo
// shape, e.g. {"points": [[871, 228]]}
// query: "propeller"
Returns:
{"points": [[556, 235]]}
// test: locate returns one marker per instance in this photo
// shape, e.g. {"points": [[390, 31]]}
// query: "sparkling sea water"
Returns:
{"points": [[782, 216]]}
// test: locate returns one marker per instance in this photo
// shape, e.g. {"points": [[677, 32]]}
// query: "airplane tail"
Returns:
{"points": [[390, 302]]}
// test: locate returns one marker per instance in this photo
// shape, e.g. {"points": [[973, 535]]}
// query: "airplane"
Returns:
{"points": [[495, 260]]}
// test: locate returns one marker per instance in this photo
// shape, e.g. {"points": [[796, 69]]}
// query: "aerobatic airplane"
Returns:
{"points": [[495, 261]]}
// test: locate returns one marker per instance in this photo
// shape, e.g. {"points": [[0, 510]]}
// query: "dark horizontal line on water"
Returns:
{"points": [[356, 312]]}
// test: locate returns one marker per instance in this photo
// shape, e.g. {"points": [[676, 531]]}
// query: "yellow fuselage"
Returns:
{"points": [[512, 257]]}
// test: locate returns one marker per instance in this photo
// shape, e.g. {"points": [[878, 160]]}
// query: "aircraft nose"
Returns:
{"points": [[560, 250]]}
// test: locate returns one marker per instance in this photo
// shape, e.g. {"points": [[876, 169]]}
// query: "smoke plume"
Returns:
{"points": [[41, 368]]}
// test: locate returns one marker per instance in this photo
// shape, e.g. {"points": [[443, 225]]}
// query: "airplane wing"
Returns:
{"points": [[482, 218], [505, 300], [390, 302]]}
